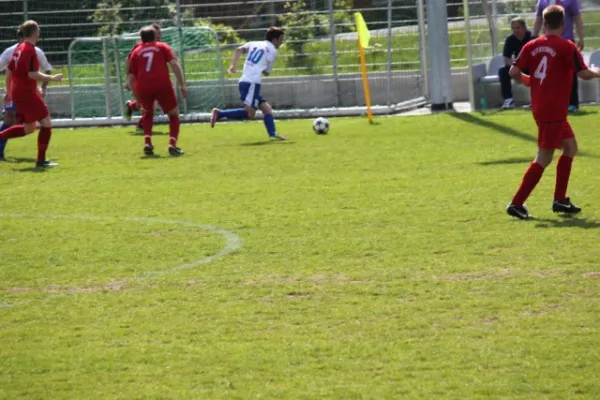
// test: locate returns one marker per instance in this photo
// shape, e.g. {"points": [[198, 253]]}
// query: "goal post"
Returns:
{"points": [[97, 76]]}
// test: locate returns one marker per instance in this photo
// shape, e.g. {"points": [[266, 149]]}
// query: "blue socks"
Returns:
{"points": [[3, 141], [270, 124], [234, 113]]}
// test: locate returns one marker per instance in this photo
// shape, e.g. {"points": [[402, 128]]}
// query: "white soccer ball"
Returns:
{"points": [[321, 126]]}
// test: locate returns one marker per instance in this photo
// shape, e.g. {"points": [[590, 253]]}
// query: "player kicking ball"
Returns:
{"points": [[21, 88], [149, 78], [260, 60], [553, 61]]}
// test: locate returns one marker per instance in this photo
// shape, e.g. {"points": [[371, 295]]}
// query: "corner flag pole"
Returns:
{"points": [[363, 42]]}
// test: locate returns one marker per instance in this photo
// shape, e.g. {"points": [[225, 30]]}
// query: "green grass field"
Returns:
{"points": [[375, 262]]}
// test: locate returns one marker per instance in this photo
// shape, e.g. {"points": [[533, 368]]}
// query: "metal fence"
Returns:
{"points": [[319, 63]]}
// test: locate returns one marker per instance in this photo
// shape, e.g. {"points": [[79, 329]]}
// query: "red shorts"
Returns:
{"points": [[164, 96], [31, 109], [552, 134]]}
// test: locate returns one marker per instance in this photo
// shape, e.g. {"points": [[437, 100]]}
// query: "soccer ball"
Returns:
{"points": [[321, 126]]}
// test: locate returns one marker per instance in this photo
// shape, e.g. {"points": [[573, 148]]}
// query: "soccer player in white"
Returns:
{"points": [[10, 112], [260, 60]]}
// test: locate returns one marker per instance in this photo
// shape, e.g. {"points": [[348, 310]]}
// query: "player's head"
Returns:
{"points": [[20, 34], [147, 34], [156, 27], [275, 36], [554, 19], [31, 31], [518, 27]]}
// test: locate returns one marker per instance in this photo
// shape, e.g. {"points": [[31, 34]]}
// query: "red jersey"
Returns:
{"points": [[552, 62], [134, 48], [148, 63], [23, 61]]}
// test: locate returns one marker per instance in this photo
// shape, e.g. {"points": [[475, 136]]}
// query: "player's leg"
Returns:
{"points": [[269, 121], [32, 112], [43, 142], [562, 203], [547, 142], [506, 87], [10, 119], [574, 98], [247, 96], [168, 102]]}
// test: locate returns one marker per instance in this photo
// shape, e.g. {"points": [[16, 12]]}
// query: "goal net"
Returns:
{"points": [[97, 75]]}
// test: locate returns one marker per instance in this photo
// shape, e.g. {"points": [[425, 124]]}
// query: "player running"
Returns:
{"points": [[21, 88], [259, 62], [133, 105], [553, 61], [149, 78], [10, 113]]}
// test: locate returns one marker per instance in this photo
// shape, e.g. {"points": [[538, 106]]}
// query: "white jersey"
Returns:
{"points": [[8, 53], [261, 57]]}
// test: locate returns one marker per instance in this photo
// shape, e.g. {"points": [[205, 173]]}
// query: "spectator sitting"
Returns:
{"points": [[512, 47]]}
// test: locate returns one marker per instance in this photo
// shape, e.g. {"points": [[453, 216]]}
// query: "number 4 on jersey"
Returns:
{"points": [[540, 71]]}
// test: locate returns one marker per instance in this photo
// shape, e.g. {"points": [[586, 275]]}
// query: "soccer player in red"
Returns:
{"points": [[133, 105], [149, 78], [553, 61], [21, 88]]}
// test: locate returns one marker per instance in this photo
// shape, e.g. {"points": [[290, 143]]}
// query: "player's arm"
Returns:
{"points": [[40, 77], [539, 20], [516, 72], [579, 28], [236, 57], [131, 83], [179, 76], [8, 86], [46, 67]]}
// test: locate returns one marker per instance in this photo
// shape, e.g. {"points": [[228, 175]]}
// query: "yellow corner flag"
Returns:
{"points": [[363, 32], [363, 42]]}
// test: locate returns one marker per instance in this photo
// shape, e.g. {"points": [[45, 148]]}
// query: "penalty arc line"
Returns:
{"points": [[233, 241]]}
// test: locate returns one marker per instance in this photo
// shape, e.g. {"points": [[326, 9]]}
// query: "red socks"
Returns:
{"points": [[174, 123], [134, 105], [530, 180], [147, 119], [14, 131], [43, 141], [563, 171]]}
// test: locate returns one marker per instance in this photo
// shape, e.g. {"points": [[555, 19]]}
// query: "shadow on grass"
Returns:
{"points": [[263, 143], [581, 113], [475, 120], [513, 160], [33, 169], [152, 157], [566, 221], [135, 133], [20, 160]]}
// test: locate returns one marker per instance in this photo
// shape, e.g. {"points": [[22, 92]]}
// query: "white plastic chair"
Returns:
{"points": [[491, 76], [595, 60]]}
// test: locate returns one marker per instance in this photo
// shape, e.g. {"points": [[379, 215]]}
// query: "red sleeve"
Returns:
{"points": [[577, 60], [169, 55], [523, 58], [34, 63]]}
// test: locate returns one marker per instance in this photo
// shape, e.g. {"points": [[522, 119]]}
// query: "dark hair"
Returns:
{"points": [[554, 16], [147, 34], [156, 26], [274, 33], [29, 28]]}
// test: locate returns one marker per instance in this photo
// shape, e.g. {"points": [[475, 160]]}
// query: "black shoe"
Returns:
{"points": [[149, 150], [45, 164], [520, 212], [565, 206], [175, 151], [2, 158]]}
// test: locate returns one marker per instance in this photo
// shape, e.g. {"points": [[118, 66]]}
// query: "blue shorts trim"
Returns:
{"points": [[10, 106], [250, 94]]}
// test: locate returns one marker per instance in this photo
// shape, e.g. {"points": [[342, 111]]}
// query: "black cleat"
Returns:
{"points": [[565, 206], [149, 150], [520, 212], [45, 164], [175, 151]]}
